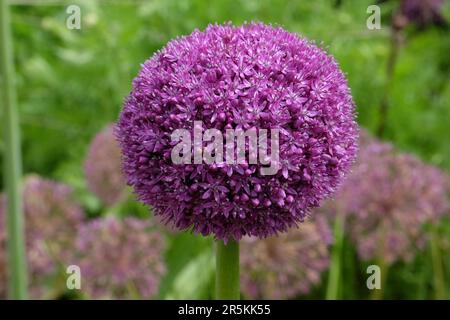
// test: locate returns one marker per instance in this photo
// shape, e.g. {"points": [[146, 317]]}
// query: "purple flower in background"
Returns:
{"points": [[423, 12], [120, 259], [103, 168], [387, 199], [52, 220], [286, 266], [253, 76]]}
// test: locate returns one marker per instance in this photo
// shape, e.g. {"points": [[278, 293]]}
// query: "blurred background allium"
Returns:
{"points": [[250, 76], [420, 13], [423, 13], [288, 265], [388, 199], [103, 168], [52, 221], [120, 259]]}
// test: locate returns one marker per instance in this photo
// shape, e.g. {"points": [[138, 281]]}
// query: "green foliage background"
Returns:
{"points": [[71, 83]]}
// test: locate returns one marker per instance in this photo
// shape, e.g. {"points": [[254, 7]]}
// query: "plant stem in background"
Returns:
{"points": [[377, 294], [227, 271], [336, 258], [390, 68], [438, 271], [12, 163]]}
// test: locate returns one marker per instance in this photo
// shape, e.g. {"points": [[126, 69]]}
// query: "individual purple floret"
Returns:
{"points": [[287, 266], [52, 220], [120, 259], [103, 168], [387, 200], [253, 76]]}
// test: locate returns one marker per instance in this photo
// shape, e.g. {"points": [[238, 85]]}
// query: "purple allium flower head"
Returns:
{"points": [[253, 76], [387, 199], [52, 219], [286, 266], [423, 13], [120, 259], [103, 168]]}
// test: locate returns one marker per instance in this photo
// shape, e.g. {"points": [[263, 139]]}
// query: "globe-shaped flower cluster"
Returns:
{"points": [[388, 199], [286, 266], [103, 168], [120, 258], [52, 221], [253, 76], [423, 13]]}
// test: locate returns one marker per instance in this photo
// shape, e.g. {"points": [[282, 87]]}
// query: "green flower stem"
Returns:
{"points": [[12, 163], [438, 271], [336, 259], [378, 294], [396, 39], [227, 271]]}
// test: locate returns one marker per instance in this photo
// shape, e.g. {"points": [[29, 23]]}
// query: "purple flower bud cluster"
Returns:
{"points": [[103, 168], [119, 257], [52, 220], [387, 200], [253, 76], [286, 266]]}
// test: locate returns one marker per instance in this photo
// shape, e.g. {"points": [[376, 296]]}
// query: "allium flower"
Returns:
{"points": [[253, 76], [423, 13], [52, 219], [387, 200], [103, 168], [120, 258], [286, 266]]}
